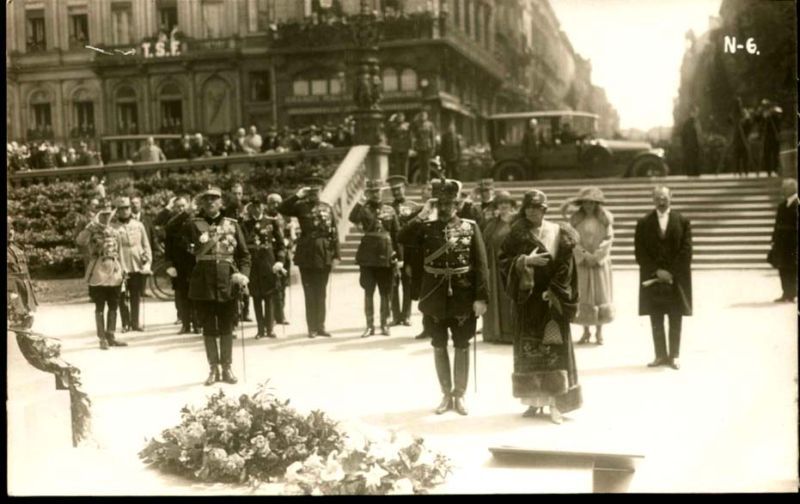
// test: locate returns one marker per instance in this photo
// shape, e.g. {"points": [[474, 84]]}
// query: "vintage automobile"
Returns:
{"points": [[568, 148]]}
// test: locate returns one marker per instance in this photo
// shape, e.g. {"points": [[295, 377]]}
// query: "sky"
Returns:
{"points": [[636, 48]]}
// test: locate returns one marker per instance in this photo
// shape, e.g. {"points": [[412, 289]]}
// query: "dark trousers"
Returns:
{"points": [[186, 309], [451, 169], [402, 313], [462, 330], [278, 305], [789, 281], [315, 285], [134, 285], [423, 165], [659, 336], [217, 319], [398, 163], [370, 278], [263, 306], [106, 296], [245, 307]]}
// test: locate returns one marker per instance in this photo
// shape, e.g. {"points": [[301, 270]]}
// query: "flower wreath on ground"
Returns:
{"points": [[260, 439]]}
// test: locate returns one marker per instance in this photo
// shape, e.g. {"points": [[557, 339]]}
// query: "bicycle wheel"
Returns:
{"points": [[159, 283]]}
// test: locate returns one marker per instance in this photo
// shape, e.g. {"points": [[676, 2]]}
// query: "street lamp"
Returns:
{"points": [[368, 86]]}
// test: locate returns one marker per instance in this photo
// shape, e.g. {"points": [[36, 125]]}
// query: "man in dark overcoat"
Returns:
{"points": [[454, 286], [783, 254], [180, 263], [663, 249], [219, 279], [317, 250], [405, 210], [690, 143], [377, 254]]}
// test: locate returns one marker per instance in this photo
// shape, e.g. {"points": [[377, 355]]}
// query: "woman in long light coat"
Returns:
{"points": [[595, 225]]}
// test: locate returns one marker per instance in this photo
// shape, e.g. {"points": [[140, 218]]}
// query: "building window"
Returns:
{"points": [[457, 12], [337, 85], [35, 27], [260, 86], [265, 14], [319, 87], [408, 80], [42, 120], [167, 15], [127, 113], [213, 15], [83, 114], [389, 78], [468, 17], [300, 87], [121, 16], [78, 28], [171, 101]]}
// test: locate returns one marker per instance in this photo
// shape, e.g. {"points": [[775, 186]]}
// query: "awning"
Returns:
{"points": [[457, 107]]}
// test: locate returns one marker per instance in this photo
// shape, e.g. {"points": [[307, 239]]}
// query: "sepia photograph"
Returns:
{"points": [[401, 247]]}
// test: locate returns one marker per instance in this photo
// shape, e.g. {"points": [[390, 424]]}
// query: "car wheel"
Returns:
{"points": [[649, 167], [509, 172]]}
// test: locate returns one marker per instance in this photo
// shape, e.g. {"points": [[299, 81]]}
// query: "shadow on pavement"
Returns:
{"points": [[759, 304], [640, 369]]}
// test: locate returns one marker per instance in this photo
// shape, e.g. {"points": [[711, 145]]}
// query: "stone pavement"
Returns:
{"points": [[726, 422]]}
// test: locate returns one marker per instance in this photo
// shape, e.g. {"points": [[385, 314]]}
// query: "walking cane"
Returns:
{"points": [[239, 299]]}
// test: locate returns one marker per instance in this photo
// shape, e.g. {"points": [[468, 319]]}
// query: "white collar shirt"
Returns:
{"points": [[663, 220]]}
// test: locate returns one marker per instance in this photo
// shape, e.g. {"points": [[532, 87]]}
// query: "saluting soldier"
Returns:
{"points": [[454, 285], [405, 210], [317, 249], [219, 279], [377, 253], [20, 299], [267, 252]]}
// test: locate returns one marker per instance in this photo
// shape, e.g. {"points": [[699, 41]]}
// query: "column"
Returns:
{"points": [[252, 15]]}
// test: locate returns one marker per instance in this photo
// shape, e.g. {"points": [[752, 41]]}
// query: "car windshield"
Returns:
{"points": [[511, 131]]}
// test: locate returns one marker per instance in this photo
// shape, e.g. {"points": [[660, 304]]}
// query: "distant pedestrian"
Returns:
{"points": [[400, 142], [740, 146], [450, 150], [690, 143], [770, 118], [595, 227], [783, 252], [424, 144], [530, 146], [663, 250], [150, 152]]}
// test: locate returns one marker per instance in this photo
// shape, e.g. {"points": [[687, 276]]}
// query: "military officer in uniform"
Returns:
{"points": [[274, 200], [136, 258], [405, 210], [487, 206], [180, 263], [265, 241], [377, 253], [219, 279], [20, 299], [454, 286], [317, 249]]}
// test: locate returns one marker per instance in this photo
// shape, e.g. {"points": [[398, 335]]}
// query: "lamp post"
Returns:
{"points": [[367, 91]]}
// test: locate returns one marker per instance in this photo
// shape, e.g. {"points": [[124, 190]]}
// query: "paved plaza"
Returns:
{"points": [[726, 422]]}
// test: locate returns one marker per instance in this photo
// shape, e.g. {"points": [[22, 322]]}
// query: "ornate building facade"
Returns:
{"points": [[93, 68]]}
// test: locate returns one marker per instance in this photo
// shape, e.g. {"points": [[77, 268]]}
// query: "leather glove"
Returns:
{"points": [[240, 280], [479, 307], [172, 272]]}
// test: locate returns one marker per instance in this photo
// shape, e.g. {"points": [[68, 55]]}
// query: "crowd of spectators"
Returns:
{"points": [[36, 155]]}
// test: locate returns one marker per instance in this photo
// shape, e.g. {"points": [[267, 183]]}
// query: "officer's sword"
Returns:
{"points": [[241, 331], [475, 360]]}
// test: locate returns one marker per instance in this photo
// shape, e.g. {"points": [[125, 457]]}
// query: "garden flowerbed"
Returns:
{"points": [[260, 439]]}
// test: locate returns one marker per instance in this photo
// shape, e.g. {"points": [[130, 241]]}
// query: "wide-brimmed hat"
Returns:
{"points": [[589, 194], [504, 197], [534, 198]]}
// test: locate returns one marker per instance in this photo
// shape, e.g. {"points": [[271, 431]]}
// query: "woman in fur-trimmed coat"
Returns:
{"points": [[539, 267]]}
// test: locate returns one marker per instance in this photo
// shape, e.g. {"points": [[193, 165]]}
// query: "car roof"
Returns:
{"points": [[542, 113]]}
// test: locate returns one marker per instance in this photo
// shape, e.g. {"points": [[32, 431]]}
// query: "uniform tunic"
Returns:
{"points": [[20, 299], [265, 242], [405, 210]]}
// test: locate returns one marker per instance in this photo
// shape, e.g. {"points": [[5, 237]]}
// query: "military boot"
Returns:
{"points": [[213, 375], [460, 377], [101, 330], [369, 313], [227, 374], [442, 361], [111, 326], [385, 310]]}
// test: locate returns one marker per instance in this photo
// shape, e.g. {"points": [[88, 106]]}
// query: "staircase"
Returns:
{"points": [[732, 218]]}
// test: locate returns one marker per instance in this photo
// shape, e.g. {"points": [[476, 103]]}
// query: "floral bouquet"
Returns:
{"points": [[261, 439]]}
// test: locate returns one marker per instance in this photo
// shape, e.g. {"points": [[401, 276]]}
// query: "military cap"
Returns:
{"points": [[122, 202], [446, 189], [534, 198], [373, 185], [397, 181], [214, 192]]}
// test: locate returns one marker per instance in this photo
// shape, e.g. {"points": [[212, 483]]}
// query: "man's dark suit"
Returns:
{"points": [[670, 251], [784, 247]]}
